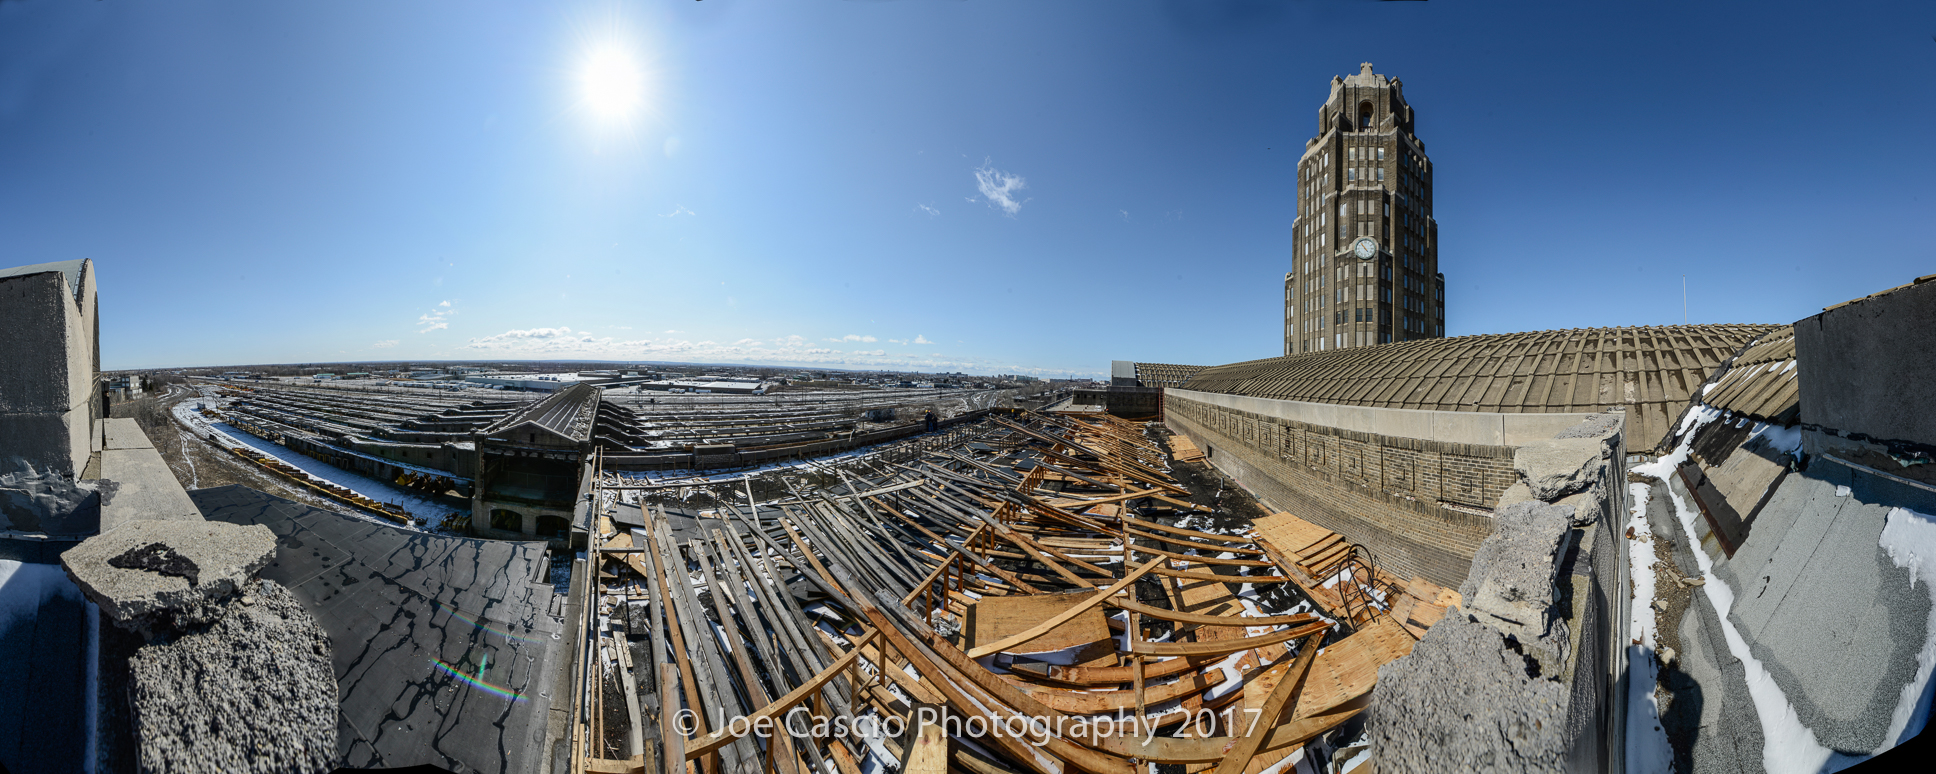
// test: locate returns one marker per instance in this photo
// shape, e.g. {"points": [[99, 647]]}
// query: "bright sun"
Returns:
{"points": [[612, 83]]}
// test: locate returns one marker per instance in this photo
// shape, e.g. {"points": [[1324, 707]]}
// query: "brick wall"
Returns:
{"points": [[1390, 494]]}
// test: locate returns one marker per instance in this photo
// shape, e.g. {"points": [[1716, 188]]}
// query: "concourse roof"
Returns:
{"points": [[1652, 371]]}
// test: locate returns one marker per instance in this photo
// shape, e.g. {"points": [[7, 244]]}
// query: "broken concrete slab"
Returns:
{"points": [[1557, 467], [1463, 700], [155, 577], [253, 693], [1511, 586]]}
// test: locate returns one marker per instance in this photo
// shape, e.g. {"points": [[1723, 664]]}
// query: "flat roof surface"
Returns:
{"points": [[407, 613]]}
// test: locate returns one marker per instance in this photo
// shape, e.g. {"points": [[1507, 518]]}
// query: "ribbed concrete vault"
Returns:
{"points": [[1652, 371]]}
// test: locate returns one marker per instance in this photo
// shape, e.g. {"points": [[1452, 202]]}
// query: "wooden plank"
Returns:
{"points": [[928, 751], [1179, 616], [1282, 696], [1117, 675], [1009, 643], [997, 618], [777, 707], [1226, 647]]}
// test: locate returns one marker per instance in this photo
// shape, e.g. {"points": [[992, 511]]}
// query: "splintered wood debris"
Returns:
{"points": [[1022, 601]]}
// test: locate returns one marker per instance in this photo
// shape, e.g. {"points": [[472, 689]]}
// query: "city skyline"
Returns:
{"points": [[917, 187]]}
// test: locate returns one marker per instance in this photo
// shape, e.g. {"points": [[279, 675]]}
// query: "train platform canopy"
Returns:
{"points": [[567, 413]]}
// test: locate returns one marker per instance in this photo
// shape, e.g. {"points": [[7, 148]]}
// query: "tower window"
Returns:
{"points": [[1364, 115]]}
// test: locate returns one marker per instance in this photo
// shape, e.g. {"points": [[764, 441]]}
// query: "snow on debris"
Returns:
{"points": [[1790, 746], [1647, 748]]}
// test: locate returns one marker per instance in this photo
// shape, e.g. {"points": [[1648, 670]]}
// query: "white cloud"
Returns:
{"points": [[919, 339], [854, 337], [929, 210], [386, 343], [902, 342], [671, 333], [678, 212], [999, 187], [437, 318], [1125, 214], [794, 350]]}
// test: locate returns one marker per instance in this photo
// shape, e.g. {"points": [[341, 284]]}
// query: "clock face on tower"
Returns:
{"points": [[1364, 248]]}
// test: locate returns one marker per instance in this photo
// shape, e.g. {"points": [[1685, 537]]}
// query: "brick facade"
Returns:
{"points": [[1396, 496]]}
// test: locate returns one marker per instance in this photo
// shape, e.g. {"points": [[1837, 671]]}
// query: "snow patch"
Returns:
{"points": [[1909, 538], [1791, 747]]}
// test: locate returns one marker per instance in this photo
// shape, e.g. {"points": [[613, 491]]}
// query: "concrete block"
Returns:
{"points": [[160, 577], [1521, 429], [1557, 467], [1403, 423], [1467, 427], [1511, 584], [1864, 367]]}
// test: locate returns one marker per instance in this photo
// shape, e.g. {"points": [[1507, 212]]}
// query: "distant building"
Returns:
{"points": [[1364, 263]]}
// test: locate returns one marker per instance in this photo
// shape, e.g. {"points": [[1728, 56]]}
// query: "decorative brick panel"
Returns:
{"points": [[1381, 491]]}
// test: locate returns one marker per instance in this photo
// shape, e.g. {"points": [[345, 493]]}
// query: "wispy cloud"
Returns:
{"points": [[854, 337], [999, 187], [793, 350], [387, 343], [925, 208], [678, 212], [437, 319], [920, 339]]}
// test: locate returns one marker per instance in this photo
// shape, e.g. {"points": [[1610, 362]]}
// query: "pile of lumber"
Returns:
{"points": [[1325, 565], [1182, 449]]}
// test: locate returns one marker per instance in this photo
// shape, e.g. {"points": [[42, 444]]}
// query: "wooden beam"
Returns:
{"points": [[1281, 697]]}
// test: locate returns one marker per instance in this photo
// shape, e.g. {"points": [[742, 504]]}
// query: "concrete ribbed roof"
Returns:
{"points": [[1762, 382], [1652, 371], [1165, 374]]}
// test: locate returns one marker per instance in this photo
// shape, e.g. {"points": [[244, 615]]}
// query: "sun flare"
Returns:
{"points": [[612, 83]]}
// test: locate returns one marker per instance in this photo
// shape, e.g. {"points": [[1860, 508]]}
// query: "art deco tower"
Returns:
{"points": [[1365, 269]]}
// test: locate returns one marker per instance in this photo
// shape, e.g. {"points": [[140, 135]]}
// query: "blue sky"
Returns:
{"points": [[302, 181]]}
